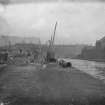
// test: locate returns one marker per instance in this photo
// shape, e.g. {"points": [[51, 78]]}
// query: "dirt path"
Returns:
{"points": [[27, 85]]}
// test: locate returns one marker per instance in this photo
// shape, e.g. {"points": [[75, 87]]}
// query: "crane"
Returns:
{"points": [[50, 56]]}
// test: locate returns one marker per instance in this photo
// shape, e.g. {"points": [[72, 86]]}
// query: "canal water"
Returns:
{"points": [[96, 69]]}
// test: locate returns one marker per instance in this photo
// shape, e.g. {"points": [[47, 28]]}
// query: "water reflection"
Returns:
{"points": [[96, 69]]}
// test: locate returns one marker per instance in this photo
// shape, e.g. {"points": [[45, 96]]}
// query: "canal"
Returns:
{"points": [[96, 69]]}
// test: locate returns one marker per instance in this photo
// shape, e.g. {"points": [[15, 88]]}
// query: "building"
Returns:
{"points": [[96, 52], [12, 40]]}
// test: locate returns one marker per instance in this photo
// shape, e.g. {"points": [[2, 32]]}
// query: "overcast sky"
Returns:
{"points": [[77, 22]]}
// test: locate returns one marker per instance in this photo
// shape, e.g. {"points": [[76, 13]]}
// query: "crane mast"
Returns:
{"points": [[53, 38], [50, 57]]}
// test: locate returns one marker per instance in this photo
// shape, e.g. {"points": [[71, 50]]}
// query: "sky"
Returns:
{"points": [[27, 1], [78, 23]]}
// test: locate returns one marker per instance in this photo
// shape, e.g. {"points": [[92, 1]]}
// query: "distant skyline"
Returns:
{"points": [[78, 23]]}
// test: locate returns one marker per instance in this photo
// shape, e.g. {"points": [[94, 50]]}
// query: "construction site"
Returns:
{"points": [[31, 74]]}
